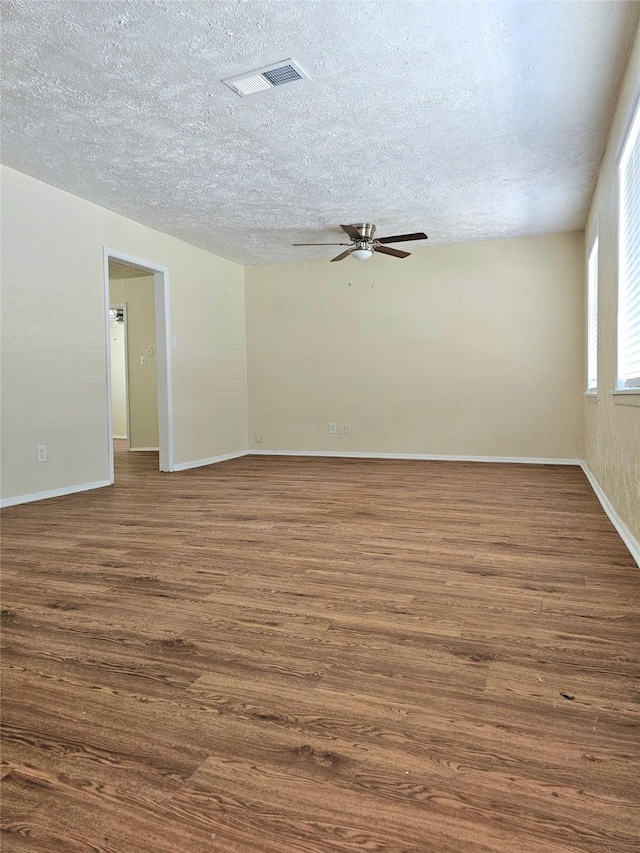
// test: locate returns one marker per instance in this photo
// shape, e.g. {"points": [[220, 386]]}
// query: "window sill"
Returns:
{"points": [[627, 397], [591, 397]]}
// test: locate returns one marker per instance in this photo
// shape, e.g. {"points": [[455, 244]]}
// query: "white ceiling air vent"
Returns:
{"points": [[269, 77]]}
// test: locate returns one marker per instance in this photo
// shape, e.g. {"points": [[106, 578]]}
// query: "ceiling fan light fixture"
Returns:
{"points": [[361, 254]]}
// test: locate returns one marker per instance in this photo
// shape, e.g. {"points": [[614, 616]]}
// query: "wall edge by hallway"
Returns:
{"points": [[200, 463], [53, 493]]}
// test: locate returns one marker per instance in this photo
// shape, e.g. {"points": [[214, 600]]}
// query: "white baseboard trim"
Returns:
{"points": [[527, 460], [199, 463], [625, 534], [119, 436], [53, 493], [143, 448]]}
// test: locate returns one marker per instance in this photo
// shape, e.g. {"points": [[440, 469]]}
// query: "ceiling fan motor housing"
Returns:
{"points": [[367, 230]]}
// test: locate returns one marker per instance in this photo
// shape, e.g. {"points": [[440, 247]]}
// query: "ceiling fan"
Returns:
{"points": [[364, 243]]}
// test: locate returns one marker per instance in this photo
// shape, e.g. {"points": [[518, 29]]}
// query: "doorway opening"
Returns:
{"points": [[138, 358]]}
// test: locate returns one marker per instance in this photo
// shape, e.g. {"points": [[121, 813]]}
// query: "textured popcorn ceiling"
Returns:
{"points": [[466, 120], [118, 271]]}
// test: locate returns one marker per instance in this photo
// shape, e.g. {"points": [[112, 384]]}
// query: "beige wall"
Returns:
{"points": [[118, 379], [612, 424], [471, 349], [54, 389], [142, 380]]}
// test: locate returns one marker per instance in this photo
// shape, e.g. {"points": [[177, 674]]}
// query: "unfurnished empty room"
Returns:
{"points": [[320, 427]]}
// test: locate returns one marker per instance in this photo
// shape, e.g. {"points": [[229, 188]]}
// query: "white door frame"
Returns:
{"points": [[163, 354], [123, 306]]}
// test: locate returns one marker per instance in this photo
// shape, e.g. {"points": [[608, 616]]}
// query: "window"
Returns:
{"points": [[592, 319], [629, 261]]}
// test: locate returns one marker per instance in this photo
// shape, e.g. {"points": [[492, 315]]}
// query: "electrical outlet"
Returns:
{"points": [[347, 429], [258, 438], [143, 359], [42, 452], [340, 429], [333, 428]]}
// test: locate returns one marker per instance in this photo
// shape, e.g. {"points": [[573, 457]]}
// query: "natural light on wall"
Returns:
{"points": [[592, 320], [629, 260]]}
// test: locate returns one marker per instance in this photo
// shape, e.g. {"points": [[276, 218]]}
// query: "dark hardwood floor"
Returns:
{"points": [[321, 656]]}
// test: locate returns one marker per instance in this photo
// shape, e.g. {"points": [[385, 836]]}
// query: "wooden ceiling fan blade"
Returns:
{"points": [[352, 231], [387, 250], [400, 238], [342, 256], [321, 244]]}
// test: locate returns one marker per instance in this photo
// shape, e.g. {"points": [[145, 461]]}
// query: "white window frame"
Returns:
{"points": [[627, 382], [591, 383]]}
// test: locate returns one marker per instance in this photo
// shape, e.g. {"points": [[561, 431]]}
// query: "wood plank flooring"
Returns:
{"points": [[279, 655]]}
